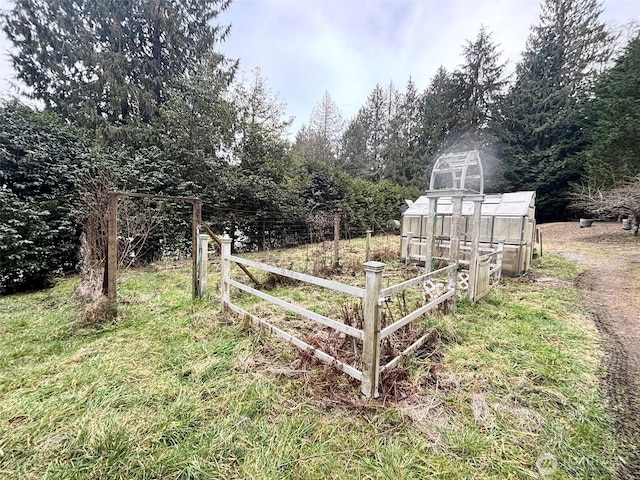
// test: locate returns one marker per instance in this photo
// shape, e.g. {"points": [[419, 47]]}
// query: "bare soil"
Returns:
{"points": [[610, 278]]}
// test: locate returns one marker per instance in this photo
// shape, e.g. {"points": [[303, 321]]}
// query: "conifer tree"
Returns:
{"points": [[108, 63], [327, 125], [613, 154], [542, 129]]}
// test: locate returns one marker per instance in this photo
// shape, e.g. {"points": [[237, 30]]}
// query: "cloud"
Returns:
{"points": [[346, 47]]}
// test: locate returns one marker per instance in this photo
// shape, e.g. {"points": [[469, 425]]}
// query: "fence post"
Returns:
{"points": [[225, 268], [336, 236], [475, 246], [111, 268], [407, 258], [368, 250], [540, 240], [195, 224], [203, 247], [371, 341]]}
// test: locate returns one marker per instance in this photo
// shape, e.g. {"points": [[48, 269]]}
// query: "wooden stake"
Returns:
{"points": [[336, 236], [111, 268]]}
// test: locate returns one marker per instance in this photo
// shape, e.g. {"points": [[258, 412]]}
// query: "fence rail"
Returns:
{"points": [[385, 332], [301, 344], [488, 271], [341, 327], [387, 292], [373, 297], [320, 282]]}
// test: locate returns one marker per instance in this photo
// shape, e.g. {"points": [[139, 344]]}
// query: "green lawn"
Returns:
{"points": [[174, 390]]}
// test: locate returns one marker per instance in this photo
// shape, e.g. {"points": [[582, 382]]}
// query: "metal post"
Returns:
{"points": [[371, 341], [368, 248], [225, 269], [203, 263]]}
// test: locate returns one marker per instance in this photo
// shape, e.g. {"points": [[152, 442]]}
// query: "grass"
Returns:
{"points": [[557, 267], [174, 390]]}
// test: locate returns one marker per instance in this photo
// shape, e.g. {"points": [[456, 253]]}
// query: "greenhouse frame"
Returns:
{"points": [[507, 218]]}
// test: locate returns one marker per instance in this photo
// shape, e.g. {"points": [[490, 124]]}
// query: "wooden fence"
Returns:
{"points": [[488, 272], [488, 269], [373, 297]]}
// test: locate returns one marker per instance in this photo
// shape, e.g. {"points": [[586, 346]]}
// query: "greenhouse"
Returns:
{"points": [[506, 217]]}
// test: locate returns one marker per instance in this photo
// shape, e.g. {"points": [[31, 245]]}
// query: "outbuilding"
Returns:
{"points": [[508, 218]]}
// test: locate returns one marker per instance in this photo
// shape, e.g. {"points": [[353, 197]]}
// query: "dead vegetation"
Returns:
{"points": [[97, 312], [620, 200], [137, 220]]}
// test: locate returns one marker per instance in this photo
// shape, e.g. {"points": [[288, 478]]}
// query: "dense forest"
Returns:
{"points": [[134, 95]]}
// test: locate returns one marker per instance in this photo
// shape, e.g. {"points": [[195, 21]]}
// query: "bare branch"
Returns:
{"points": [[621, 200]]}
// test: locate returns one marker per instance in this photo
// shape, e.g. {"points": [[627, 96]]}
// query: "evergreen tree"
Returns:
{"points": [[364, 143], [41, 162], [196, 133], [327, 125], [376, 113], [482, 85], [403, 162], [459, 109], [106, 63], [543, 122], [259, 183], [440, 116], [353, 151], [613, 154]]}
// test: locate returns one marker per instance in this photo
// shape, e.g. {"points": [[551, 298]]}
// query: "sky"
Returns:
{"points": [[344, 47]]}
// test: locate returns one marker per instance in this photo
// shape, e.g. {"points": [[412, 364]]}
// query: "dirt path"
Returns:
{"points": [[610, 258]]}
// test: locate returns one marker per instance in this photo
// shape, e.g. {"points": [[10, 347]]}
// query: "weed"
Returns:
{"points": [[97, 312], [274, 281]]}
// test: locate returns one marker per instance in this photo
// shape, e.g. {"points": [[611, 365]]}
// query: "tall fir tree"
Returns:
{"points": [[613, 154], [365, 140], [440, 116], [259, 183], [110, 63], [543, 122], [327, 124], [403, 164], [482, 85], [353, 157]]}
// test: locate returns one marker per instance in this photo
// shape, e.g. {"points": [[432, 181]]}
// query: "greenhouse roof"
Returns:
{"points": [[514, 204]]}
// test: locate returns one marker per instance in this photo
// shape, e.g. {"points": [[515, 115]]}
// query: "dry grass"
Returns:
{"points": [[98, 312], [175, 390]]}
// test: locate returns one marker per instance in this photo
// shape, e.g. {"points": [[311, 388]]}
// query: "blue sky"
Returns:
{"points": [[304, 47]]}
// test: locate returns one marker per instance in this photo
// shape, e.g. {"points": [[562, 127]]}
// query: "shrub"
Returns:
{"points": [[40, 223]]}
